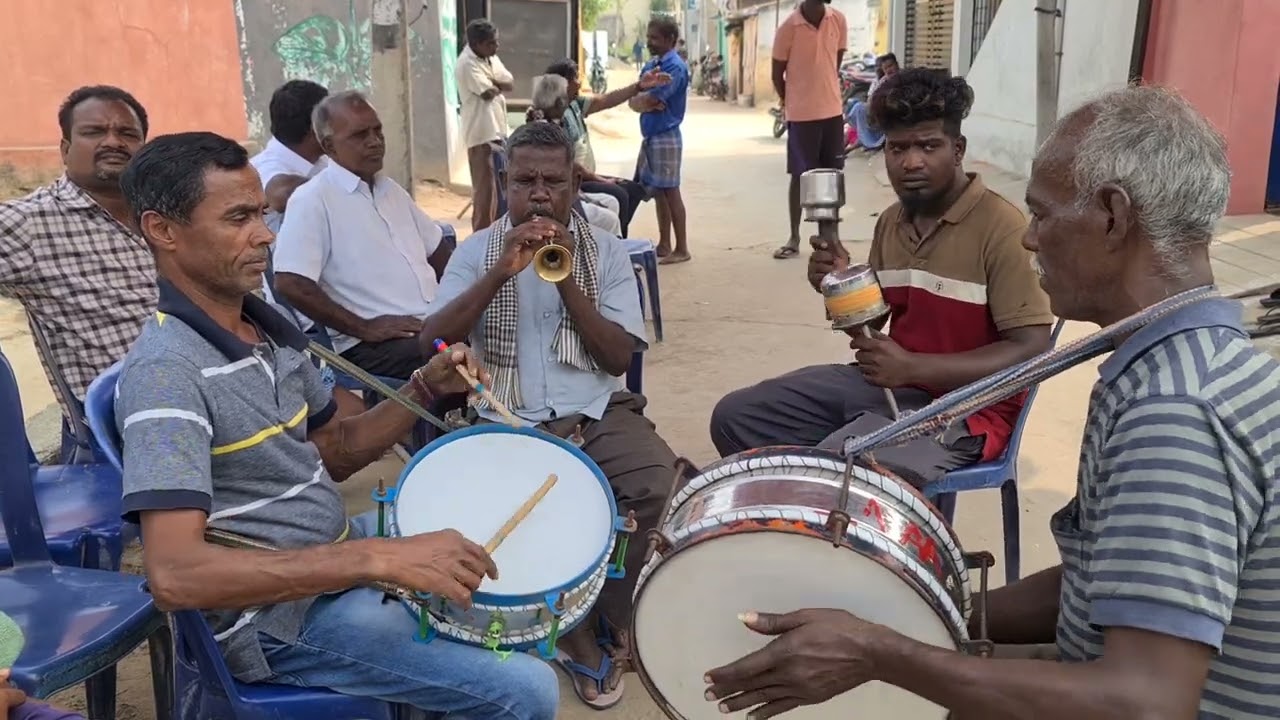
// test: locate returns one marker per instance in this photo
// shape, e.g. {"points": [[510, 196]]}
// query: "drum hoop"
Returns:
{"points": [[910, 498], [498, 599], [910, 572]]}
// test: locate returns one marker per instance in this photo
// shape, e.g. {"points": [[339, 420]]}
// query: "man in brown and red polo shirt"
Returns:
{"points": [[807, 51], [964, 302]]}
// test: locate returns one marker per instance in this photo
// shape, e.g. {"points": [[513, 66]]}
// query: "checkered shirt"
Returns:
{"points": [[85, 278]]}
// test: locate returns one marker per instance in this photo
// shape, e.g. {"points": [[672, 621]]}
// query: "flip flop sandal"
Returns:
{"points": [[603, 700], [785, 252], [1271, 301]]}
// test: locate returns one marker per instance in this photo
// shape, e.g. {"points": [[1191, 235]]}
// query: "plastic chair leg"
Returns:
{"points": [[946, 504], [1012, 527], [100, 695], [644, 315], [161, 650], [651, 278]]}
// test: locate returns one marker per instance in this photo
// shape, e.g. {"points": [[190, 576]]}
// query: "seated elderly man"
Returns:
{"points": [[962, 296], [1164, 604], [557, 353], [355, 253], [226, 424]]}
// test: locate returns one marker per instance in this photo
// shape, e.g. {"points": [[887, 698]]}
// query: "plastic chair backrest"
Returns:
{"points": [[22, 526], [100, 413], [79, 429], [1015, 438], [194, 646]]}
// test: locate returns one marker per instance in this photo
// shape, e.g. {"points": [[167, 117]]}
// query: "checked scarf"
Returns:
{"points": [[502, 317]]}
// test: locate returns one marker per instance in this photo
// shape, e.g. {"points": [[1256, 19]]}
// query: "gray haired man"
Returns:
{"points": [[355, 253], [1164, 603]]}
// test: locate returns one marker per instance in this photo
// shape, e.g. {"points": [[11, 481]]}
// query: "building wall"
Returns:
{"points": [[1097, 47], [1221, 55], [180, 58]]}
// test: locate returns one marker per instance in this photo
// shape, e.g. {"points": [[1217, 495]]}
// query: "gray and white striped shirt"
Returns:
{"points": [[1175, 527]]}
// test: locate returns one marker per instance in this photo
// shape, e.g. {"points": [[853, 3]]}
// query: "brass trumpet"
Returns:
{"points": [[553, 263]]}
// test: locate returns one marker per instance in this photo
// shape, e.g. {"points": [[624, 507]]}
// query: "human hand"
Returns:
{"points": [[441, 373], [883, 362], [10, 697], [816, 655], [654, 78], [825, 259], [441, 563], [389, 327], [521, 242]]}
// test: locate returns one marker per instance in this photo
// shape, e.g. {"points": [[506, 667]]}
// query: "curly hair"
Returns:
{"points": [[920, 95]]}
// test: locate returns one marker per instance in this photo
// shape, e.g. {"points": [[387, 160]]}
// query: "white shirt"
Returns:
{"points": [[277, 159], [483, 121], [366, 248]]}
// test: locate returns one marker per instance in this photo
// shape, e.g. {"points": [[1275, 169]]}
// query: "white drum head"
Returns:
{"points": [[686, 617], [474, 482]]}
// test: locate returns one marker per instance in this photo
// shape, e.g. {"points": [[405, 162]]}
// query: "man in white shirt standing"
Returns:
{"points": [[482, 78], [293, 154], [355, 253]]}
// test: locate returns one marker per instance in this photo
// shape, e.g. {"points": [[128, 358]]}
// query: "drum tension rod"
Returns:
{"points": [[838, 518], [982, 561]]}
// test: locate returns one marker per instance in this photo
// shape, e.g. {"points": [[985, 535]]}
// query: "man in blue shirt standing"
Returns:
{"points": [[661, 112]]}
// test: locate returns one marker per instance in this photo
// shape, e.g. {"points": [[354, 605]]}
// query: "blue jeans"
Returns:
{"points": [[868, 137], [357, 644]]}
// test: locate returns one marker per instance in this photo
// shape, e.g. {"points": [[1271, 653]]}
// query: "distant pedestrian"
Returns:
{"points": [[807, 51], [637, 54], [482, 78]]}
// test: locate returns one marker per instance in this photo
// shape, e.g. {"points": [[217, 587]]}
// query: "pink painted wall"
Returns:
{"points": [[180, 58], [1224, 56]]}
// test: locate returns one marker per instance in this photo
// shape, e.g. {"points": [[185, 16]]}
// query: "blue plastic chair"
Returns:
{"points": [[203, 685], [78, 622], [644, 259], [1000, 473], [79, 507]]}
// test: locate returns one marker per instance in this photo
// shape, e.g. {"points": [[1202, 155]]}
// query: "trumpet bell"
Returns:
{"points": [[553, 263]]}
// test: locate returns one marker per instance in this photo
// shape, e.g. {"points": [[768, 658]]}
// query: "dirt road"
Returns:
{"points": [[733, 316]]}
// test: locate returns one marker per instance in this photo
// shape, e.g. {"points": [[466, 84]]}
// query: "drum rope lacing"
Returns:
{"points": [[940, 414]]}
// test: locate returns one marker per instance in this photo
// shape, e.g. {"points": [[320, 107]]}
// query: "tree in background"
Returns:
{"points": [[591, 10]]}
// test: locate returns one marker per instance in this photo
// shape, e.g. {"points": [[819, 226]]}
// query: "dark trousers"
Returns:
{"points": [[641, 469], [389, 358], [629, 195], [821, 406]]}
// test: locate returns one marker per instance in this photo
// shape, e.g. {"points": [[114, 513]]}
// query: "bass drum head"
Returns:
{"points": [[686, 617], [474, 480]]}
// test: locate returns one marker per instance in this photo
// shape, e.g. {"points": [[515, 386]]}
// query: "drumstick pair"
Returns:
{"points": [[442, 346]]}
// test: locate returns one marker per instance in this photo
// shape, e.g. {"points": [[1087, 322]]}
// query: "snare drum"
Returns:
{"points": [[553, 564], [750, 533]]}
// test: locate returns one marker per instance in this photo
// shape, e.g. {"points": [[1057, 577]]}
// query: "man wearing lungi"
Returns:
{"points": [[557, 353], [1164, 605], [807, 51], [661, 112]]}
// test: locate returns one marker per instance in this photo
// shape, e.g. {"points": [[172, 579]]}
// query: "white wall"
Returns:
{"points": [[1097, 46]]}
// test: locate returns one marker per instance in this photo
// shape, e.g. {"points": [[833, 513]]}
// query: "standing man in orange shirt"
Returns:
{"points": [[807, 51]]}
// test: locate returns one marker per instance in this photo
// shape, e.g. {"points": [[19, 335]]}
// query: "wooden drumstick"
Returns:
{"points": [[888, 394], [442, 346], [520, 514]]}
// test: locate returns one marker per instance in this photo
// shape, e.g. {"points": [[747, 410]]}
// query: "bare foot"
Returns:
{"points": [[675, 257], [662, 250]]}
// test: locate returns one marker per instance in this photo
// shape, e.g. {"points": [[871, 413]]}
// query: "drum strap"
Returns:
{"points": [[346, 366], [956, 405]]}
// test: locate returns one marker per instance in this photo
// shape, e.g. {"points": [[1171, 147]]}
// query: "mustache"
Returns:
{"points": [[103, 154], [1036, 265]]}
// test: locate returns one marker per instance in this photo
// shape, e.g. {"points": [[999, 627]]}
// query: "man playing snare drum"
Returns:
{"points": [[1164, 605], [556, 352], [227, 424]]}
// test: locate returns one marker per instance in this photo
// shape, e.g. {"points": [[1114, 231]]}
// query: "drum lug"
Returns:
{"points": [[426, 629], [658, 543], [625, 526], [837, 526], [555, 605], [980, 648], [982, 561], [383, 496]]}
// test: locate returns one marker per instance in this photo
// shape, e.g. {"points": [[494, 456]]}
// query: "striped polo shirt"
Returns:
{"points": [[212, 423], [957, 288], [1175, 526]]}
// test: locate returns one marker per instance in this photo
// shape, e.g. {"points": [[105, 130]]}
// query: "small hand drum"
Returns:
{"points": [[553, 564], [852, 297]]}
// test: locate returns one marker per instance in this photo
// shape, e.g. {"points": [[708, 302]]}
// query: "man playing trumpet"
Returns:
{"points": [[227, 424], [557, 333]]}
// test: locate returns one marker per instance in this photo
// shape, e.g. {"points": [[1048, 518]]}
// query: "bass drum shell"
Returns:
{"points": [[748, 534]]}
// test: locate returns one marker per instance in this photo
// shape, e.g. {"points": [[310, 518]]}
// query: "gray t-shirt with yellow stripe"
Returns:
{"points": [[210, 422]]}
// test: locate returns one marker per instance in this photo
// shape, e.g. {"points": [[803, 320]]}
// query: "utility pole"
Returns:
{"points": [[1046, 68], [392, 96]]}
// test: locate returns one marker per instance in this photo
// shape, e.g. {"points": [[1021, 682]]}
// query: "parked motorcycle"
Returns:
{"points": [[599, 81], [779, 121]]}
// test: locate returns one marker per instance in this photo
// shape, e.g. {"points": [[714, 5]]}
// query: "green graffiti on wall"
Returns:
{"points": [[335, 53], [449, 52]]}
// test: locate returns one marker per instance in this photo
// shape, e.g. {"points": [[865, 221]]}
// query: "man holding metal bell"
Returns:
{"points": [[550, 303], [1164, 604], [227, 425], [962, 296]]}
